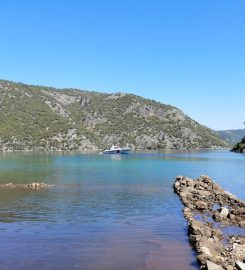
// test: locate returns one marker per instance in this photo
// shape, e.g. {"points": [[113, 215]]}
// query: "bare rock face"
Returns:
{"points": [[210, 210]]}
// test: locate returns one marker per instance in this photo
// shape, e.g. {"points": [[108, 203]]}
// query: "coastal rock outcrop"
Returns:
{"points": [[216, 223]]}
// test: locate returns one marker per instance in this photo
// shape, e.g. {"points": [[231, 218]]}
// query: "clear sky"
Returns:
{"points": [[187, 53]]}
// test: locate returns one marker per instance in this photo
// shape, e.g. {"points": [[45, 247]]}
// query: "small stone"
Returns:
{"points": [[239, 251], [206, 251], [229, 267], [200, 205], [9, 185], [216, 216], [224, 212], [187, 213], [180, 177], [176, 185], [242, 223], [213, 266], [231, 216], [202, 259], [193, 239]]}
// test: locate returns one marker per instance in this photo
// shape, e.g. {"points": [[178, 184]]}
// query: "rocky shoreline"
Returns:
{"points": [[216, 223]]}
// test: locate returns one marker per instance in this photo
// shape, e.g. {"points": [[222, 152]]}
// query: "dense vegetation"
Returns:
{"points": [[240, 147], [43, 118]]}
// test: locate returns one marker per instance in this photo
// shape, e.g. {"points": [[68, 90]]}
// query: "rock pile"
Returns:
{"points": [[27, 186], [210, 212]]}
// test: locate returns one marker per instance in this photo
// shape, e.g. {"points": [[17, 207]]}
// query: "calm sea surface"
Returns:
{"points": [[105, 212]]}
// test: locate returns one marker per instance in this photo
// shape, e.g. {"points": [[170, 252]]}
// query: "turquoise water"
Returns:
{"points": [[105, 212]]}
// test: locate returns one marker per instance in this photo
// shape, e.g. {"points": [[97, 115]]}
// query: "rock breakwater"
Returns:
{"points": [[216, 223]]}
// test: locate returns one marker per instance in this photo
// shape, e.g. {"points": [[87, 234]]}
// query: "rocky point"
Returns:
{"points": [[216, 223]]}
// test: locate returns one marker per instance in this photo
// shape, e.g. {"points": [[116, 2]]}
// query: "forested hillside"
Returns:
{"points": [[44, 118]]}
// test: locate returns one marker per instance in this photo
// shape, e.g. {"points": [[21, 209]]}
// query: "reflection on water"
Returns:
{"points": [[166, 256], [106, 212]]}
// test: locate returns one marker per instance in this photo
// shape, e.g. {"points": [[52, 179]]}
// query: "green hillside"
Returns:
{"points": [[232, 136], [239, 147], [44, 118]]}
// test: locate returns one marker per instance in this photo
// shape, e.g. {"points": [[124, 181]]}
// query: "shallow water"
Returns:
{"points": [[106, 212]]}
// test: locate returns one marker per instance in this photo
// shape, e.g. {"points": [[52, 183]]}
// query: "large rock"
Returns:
{"points": [[240, 265]]}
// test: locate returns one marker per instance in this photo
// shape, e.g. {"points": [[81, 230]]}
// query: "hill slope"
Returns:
{"points": [[43, 118], [232, 136]]}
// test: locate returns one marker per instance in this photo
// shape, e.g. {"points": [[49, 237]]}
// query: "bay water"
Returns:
{"points": [[106, 211]]}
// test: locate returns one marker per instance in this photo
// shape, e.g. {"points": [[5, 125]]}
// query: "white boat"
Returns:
{"points": [[116, 150]]}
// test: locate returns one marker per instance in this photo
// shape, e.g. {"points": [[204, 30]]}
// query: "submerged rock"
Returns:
{"points": [[26, 186]]}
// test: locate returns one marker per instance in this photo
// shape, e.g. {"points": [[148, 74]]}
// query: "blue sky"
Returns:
{"points": [[187, 53]]}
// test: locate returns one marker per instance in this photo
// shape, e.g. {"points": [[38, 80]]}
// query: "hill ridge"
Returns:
{"points": [[232, 136], [46, 118]]}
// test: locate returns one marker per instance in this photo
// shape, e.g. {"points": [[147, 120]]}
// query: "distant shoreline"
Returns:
{"points": [[98, 151]]}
